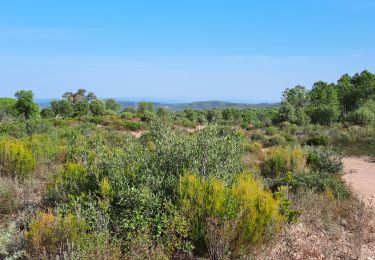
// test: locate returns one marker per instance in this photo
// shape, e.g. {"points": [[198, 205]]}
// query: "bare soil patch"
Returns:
{"points": [[360, 176]]}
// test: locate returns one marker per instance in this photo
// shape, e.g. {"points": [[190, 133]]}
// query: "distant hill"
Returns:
{"points": [[181, 106], [211, 105]]}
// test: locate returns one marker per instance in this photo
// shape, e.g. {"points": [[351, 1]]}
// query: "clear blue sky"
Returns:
{"points": [[238, 50]]}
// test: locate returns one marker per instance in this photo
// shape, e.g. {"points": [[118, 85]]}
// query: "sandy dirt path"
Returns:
{"points": [[360, 175]]}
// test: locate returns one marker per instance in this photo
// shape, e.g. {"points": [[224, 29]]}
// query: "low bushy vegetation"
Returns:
{"points": [[84, 179], [16, 160]]}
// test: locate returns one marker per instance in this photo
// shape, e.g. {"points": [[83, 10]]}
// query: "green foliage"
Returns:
{"points": [[144, 107], [45, 147], [81, 108], [16, 160], [25, 104], [324, 105], [79, 96], [16, 129], [97, 107], [324, 161], [356, 90], [316, 181], [47, 113], [245, 205], [70, 182], [291, 215], [62, 108], [350, 99], [293, 105], [111, 104], [279, 161], [49, 233], [97, 246], [364, 115], [7, 109], [213, 151], [38, 126], [318, 140]]}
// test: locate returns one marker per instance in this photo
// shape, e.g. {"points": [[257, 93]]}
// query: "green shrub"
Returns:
{"points": [[271, 130], [316, 181], [324, 161], [45, 147], [127, 115], [290, 214], [253, 147], [364, 115], [249, 209], [16, 160], [275, 140], [279, 161], [97, 246], [317, 140], [133, 126], [38, 126], [16, 130], [49, 234], [72, 180], [47, 113]]}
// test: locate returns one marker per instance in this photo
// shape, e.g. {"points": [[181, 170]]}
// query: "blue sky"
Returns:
{"points": [[239, 50]]}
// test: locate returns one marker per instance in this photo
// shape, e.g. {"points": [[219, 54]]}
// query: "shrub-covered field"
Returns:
{"points": [[83, 180]]}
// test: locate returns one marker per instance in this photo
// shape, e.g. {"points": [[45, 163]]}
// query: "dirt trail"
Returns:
{"points": [[360, 175]]}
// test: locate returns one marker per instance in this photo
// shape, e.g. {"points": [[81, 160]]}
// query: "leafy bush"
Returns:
{"points": [[72, 180], [249, 209], [279, 161], [364, 115], [324, 161], [16, 160], [16, 130], [38, 126], [254, 147], [45, 147], [290, 214], [97, 246], [317, 140], [49, 233], [316, 181], [274, 141]]}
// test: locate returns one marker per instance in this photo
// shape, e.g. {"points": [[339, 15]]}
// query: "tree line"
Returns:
{"points": [[351, 99]]}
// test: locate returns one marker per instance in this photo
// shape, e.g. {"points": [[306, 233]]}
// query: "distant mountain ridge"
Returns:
{"points": [[211, 104]]}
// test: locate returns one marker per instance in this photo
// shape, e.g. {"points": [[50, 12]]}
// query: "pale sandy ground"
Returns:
{"points": [[360, 175]]}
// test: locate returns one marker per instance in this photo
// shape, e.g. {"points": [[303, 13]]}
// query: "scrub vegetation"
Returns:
{"points": [[88, 179]]}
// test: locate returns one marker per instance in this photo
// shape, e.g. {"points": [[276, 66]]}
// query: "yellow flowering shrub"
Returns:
{"points": [[249, 209], [16, 160]]}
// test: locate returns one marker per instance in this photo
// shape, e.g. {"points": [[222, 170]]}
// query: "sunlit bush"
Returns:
{"points": [[16, 160], [45, 147], [250, 210], [49, 233], [279, 161], [97, 246], [253, 147], [72, 180], [324, 161]]}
